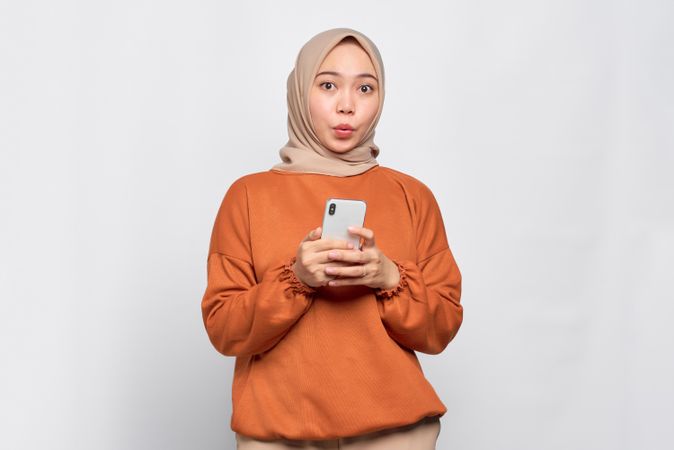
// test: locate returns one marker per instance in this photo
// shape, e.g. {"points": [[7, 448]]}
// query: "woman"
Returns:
{"points": [[324, 334]]}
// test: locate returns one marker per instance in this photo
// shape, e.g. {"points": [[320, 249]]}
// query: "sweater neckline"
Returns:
{"points": [[288, 172]]}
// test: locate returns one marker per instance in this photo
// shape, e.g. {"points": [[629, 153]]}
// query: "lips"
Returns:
{"points": [[343, 131]]}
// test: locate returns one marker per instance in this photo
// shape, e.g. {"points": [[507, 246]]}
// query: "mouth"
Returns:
{"points": [[343, 130]]}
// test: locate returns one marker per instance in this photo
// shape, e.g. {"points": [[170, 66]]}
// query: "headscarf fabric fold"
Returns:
{"points": [[304, 152]]}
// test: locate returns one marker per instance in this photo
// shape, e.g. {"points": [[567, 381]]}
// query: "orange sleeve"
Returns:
{"points": [[243, 316], [423, 312]]}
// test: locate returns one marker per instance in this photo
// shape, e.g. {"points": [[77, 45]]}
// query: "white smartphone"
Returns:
{"points": [[341, 213]]}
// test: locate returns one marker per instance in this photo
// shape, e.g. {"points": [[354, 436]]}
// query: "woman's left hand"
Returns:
{"points": [[371, 267]]}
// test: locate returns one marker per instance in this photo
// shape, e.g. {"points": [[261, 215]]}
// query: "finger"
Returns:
{"points": [[366, 233], [332, 270], [358, 271], [328, 244], [349, 256], [346, 280]]}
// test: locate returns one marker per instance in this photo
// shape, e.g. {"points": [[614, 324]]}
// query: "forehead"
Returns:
{"points": [[347, 55]]}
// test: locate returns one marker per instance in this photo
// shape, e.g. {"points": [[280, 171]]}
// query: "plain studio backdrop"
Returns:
{"points": [[544, 128]]}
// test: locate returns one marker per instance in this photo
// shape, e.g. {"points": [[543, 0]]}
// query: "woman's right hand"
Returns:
{"points": [[312, 257]]}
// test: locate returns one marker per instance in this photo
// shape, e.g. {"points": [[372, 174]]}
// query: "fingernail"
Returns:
{"points": [[349, 245], [332, 254]]}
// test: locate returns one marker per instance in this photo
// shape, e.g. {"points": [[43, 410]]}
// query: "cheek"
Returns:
{"points": [[371, 109], [318, 108]]}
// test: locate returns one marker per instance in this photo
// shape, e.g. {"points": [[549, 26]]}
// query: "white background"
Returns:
{"points": [[544, 128]]}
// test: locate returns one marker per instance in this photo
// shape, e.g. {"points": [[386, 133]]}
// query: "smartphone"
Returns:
{"points": [[341, 213]]}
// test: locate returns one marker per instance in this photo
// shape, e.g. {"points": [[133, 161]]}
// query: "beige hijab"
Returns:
{"points": [[304, 152]]}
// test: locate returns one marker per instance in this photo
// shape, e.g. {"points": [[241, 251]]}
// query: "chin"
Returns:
{"points": [[343, 146], [342, 150]]}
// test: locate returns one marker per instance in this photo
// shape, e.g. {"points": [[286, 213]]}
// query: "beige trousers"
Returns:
{"points": [[422, 435]]}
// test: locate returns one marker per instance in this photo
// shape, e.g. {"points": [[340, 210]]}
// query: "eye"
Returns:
{"points": [[366, 86], [328, 84]]}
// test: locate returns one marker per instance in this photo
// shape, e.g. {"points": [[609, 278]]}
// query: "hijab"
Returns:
{"points": [[304, 152]]}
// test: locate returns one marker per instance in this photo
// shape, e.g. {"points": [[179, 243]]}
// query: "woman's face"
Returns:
{"points": [[344, 94]]}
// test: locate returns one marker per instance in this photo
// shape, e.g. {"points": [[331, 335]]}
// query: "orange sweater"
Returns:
{"points": [[328, 362]]}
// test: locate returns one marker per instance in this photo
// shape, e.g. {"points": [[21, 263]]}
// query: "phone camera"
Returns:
{"points": [[331, 209]]}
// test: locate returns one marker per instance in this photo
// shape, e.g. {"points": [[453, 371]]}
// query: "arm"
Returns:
{"points": [[423, 312], [242, 316]]}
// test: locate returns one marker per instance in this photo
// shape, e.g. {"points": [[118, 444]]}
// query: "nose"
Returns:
{"points": [[345, 104]]}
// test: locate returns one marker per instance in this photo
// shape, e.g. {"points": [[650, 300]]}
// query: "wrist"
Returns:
{"points": [[290, 275], [391, 290], [393, 276]]}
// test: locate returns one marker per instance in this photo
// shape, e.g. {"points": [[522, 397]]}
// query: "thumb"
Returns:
{"points": [[313, 234]]}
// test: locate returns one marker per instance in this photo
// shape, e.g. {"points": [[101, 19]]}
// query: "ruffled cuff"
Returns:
{"points": [[402, 284], [296, 285]]}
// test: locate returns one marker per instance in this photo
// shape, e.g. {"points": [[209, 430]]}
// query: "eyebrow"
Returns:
{"points": [[337, 74]]}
